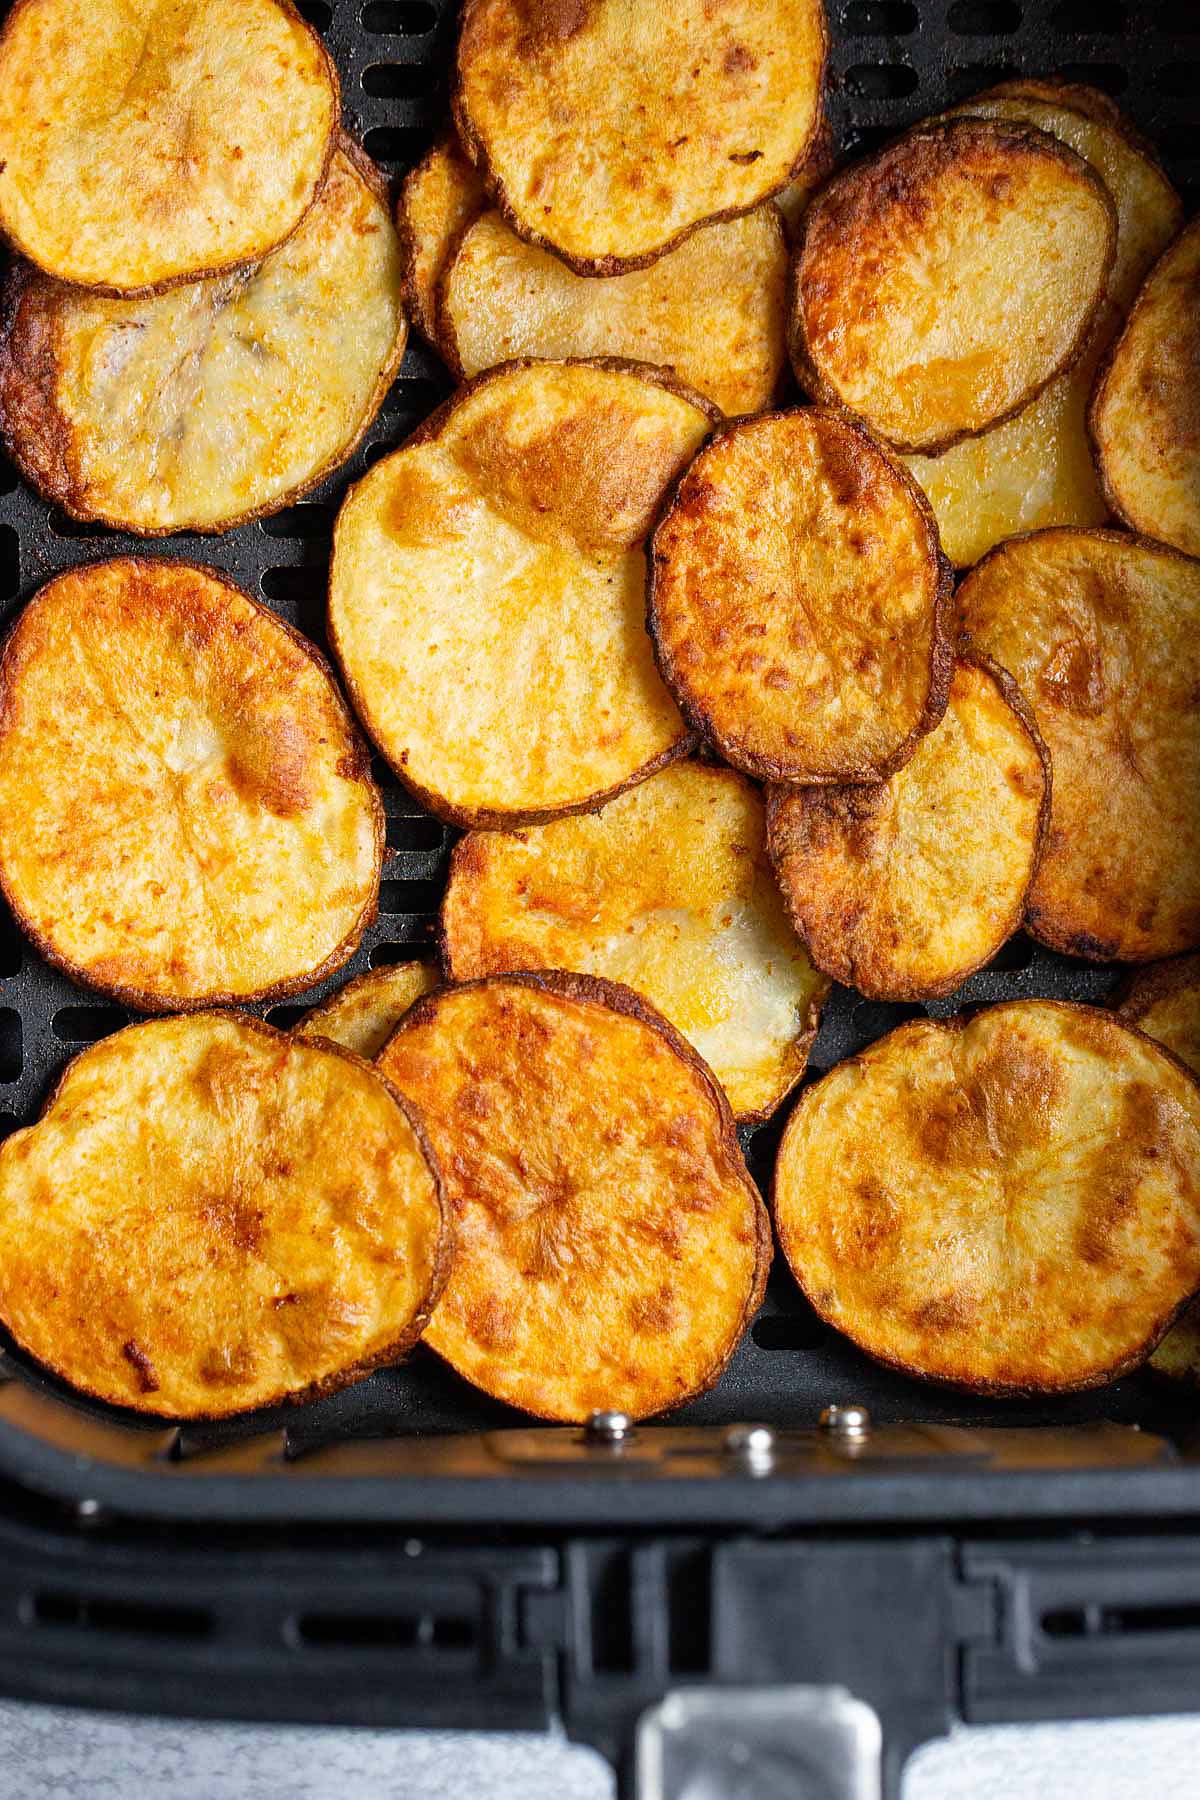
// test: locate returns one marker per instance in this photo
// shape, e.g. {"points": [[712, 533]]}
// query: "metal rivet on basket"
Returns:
{"points": [[608, 1426], [751, 1444], [850, 1423]]}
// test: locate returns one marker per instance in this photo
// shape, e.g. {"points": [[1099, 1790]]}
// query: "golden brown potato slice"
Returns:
{"points": [[143, 145], [1034, 471], [904, 889], [487, 585], [1101, 633], [669, 890], [210, 1216], [438, 199], [363, 1015], [1163, 1000], [186, 809], [1145, 413], [798, 601], [793, 200], [712, 310], [201, 408], [1008, 1201], [924, 298], [611, 1247], [608, 128], [1149, 211]]}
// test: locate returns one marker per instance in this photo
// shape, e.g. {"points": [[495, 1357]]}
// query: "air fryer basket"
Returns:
{"points": [[413, 1444]]}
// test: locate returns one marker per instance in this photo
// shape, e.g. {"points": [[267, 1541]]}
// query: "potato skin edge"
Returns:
{"points": [[15, 283], [141, 999], [806, 371], [341, 1378], [996, 1390]]}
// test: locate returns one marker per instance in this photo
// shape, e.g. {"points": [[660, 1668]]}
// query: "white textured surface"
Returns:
{"points": [[53, 1753]]}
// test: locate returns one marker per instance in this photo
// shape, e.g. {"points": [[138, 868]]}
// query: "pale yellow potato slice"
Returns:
{"points": [[438, 198], [363, 1015]]}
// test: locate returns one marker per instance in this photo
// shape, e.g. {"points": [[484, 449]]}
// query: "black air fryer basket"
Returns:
{"points": [[408, 1552]]}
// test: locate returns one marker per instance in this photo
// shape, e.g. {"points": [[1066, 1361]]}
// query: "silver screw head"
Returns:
{"points": [[850, 1423], [750, 1440], [608, 1426]]}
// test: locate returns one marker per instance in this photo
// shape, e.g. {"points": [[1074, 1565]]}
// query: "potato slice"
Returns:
{"points": [[924, 299], [608, 129], [799, 602], [1145, 413], [793, 200], [210, 1216], [143, 145], [363, 1015], [668, 889], [438, 199], [1008, 1201], [1163, 1000], [1101, 633], [712, 310], [1034, 471], [201, 408], [904, 889], [1149, 211], [487, 588], [611, 1247], [186, 809]]}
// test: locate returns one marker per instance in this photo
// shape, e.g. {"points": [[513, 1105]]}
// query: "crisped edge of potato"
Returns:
{"points": [[429, 325], [599, 991], [777, 797], [808, 375], [138, 998], [941, 658], [341, 1378], [997, 1390], [483, 818], [1146, 984], [476, 151], [243, 262], [34, 395]]}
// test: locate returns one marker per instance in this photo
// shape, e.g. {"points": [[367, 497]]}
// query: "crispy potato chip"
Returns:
{"points": [[1101, 633], [712, 310], [209, 405], [924, 299], [611, 1247], [799, 602], [669, 890], [1034, 471], [363, 1015], [1149, 211], [487, 588], [609, 129], [1008, 1201], [904, 889], [186, 810], [144, 145], [1145, 413], [438, 199], [210, 1216]]}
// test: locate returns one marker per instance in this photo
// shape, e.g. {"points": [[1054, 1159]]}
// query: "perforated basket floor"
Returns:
{"points": [[892, 61]]}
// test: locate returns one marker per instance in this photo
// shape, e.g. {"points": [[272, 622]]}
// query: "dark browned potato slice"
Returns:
{"points": [[438, 199], [904, 889], [1033, 471], [210, 1216], [611, 1247], [143, 145], [1101, 633], [487, 589], [798, 601], [203, 407], [713, 309], [186, 809], [608, 128], [1149, 211], [363, 1015], [1145, 413], [669, 890], [1009, 1202], [926, 299]]}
